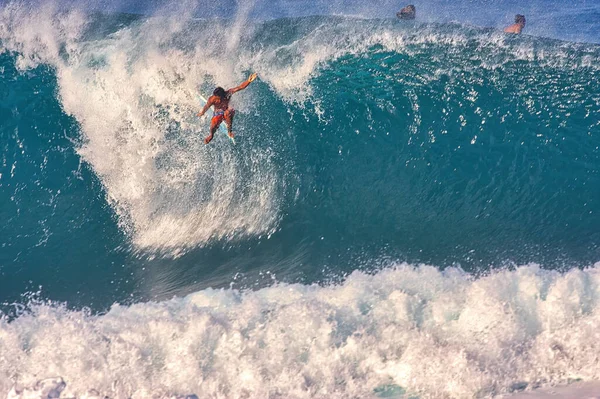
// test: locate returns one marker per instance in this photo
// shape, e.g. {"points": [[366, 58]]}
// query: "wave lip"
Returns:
{"points": [[430, 332]]}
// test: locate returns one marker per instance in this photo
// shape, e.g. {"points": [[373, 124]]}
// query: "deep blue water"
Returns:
{"points": [[369, 147]]}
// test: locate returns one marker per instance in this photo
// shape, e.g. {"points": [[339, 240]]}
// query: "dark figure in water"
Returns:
{"points": [[222, 112], [408, 12], [518, 26]]}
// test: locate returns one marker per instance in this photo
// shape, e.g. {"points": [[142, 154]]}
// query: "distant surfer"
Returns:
{"points": [[408, 12], [518, 26], [222, 112]]}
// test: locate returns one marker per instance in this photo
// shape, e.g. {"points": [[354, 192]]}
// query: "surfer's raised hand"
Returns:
{"points": [[243, 85]]}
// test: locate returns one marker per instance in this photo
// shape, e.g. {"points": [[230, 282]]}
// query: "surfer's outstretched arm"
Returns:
{"points": [[209, 104], [244, 84]]}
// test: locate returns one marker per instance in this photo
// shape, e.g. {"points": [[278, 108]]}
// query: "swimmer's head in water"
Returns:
{"points": [[520, 19], [220, 92], [408, 12]]}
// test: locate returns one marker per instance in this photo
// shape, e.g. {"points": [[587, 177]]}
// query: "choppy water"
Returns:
{"points": [[367, 149]]}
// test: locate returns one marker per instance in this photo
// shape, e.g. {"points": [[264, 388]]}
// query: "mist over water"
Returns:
{"points": [[402, 196]]}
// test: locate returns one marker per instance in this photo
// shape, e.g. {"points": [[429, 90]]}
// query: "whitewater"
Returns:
{"points": [[403, 330], [412, 209]]}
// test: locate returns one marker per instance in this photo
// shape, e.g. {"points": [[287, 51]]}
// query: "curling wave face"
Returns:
{"points": [[441, 121]]}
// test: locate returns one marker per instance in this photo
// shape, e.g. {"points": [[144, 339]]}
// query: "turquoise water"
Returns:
{"points": [[367, 149]]}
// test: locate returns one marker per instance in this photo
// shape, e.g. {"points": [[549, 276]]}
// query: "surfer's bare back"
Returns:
{"points": [[220, 101], [518, 26]]}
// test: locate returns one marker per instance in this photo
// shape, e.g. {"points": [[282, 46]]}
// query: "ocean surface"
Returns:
{"points": [[412, 208]]}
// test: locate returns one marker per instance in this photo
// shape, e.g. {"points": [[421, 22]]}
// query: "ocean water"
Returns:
{"points": [[412, 209]]}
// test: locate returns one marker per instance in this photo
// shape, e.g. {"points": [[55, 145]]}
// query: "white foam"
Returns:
{"points": [[433, 333]]}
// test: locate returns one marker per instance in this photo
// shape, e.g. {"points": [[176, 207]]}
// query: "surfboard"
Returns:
{"points": [[222, 127]]}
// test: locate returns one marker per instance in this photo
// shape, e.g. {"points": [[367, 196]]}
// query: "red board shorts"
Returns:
{"points": [[219, 116]]}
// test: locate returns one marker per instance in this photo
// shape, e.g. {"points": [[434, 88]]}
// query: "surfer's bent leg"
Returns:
{"points": [[229, 114], [214, 125]]}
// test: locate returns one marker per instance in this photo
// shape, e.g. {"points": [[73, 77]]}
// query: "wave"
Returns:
{"points": [[131, 84], [406, 329], [364, 139]]}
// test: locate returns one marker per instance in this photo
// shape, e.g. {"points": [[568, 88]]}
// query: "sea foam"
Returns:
{"points": [[404, 330]]}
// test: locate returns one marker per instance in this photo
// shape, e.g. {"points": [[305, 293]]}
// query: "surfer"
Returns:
{"points": [[222, 112], [408, 12], [518, 26]]}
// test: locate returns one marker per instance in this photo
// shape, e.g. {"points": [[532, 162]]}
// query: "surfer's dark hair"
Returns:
{"points": [[220, 92], [408, 12], [519, 19]]}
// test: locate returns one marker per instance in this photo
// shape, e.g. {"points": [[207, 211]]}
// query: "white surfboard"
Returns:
{"points": [[222, 127]]}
